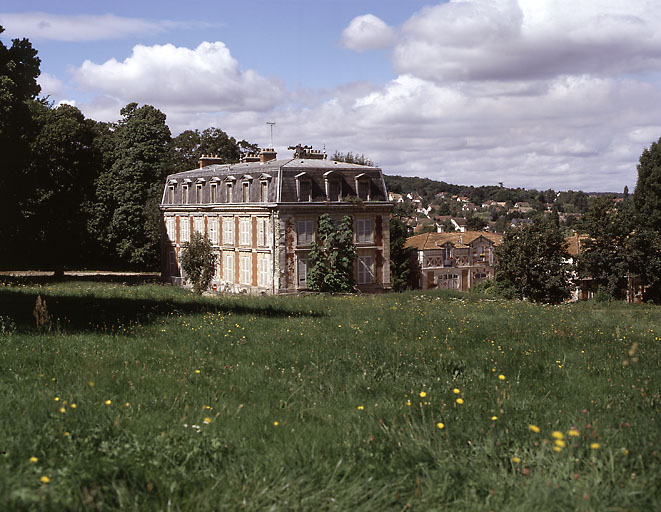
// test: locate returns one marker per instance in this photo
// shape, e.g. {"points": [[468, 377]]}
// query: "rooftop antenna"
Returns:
{"points": [[271, 125]]}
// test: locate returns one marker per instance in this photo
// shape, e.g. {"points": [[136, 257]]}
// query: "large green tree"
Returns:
{"points": [[126, 215], [647, 195], [189, 146], [400, 256], [332, 256], [532, 263]]}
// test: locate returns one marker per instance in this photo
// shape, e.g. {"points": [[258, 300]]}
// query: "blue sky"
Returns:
{"points": [[533, 93]]}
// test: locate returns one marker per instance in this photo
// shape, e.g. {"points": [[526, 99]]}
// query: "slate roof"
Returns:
{"points": [[429, 241], [282, 183]]}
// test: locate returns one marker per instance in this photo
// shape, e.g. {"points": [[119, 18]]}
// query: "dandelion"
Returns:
{"points": [[127, 404], [73, 406], [560, 443], [460, 401], [516, 460], [206, 421], [275, 423], [197, 371], [595, 446], [90, 383], [34, 459], [62, 410], [494, 418], [57, 398], [557, 449], [624, 451], [440, 425], [108, 402], [44, 480], [573, 432], [557, 435], [422, 394], [360, 407], [534, 428], [456, 391], [501, 377], [66, 434]]}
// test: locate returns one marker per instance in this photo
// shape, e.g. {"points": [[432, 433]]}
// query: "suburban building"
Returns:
{"points": [[454, 261], [261, 216]]}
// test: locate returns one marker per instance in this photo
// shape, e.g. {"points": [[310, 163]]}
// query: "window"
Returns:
{"points": [[365, 272], [228, 192], [228, 266], [185, 193], [184, 229], [263, 269], [263, 238], [364, 189], [246, 191], [170, 228], [171, 194], [305, 191], [244, 231], [305, 232], [228, 230], [364, 231], [334, 190], [245, 270], [264, 190], [198, 194], [212, 224], [214, 190], [302, 272], [198, 225]]}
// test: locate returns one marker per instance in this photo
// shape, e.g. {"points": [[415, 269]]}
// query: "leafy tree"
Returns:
{"points": [[475, 222], [447, 226], [19, 69], [126, 213], [198, 262], [332, 256], [647, 194], [189, 146], [531, 264], [400, 256], [350, 158]]}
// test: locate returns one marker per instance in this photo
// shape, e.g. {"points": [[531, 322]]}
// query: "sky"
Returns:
{"points": [[562, 94]]}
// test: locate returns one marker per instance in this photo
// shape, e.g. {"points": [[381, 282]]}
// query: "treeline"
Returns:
{"points": [[79, 193]]}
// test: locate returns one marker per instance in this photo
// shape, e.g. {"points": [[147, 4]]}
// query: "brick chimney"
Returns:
{"points": [[267, 154], [210, 160]]}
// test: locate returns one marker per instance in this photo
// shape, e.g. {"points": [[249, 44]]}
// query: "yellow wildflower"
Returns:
{"points": [[494, 418], [456, 391], [557, 449], [460, 401], [440, 425], [534, 428], [207, 421], [501, 377], [108, 402], [63, 410], [45, 480], [624, 451], [275, 423], [422, 394], [34, 459], [595, 446], [560, 443], [557, 435], [360, 407], [573, 432], [73, 406], [516, 460]]}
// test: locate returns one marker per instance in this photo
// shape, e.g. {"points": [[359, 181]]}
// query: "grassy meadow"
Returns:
{"points": [[150, 398]]}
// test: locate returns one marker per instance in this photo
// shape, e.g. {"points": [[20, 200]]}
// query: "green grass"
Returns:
{"points": [[314, 403]]}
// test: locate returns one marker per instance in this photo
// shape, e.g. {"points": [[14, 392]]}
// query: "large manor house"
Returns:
{"points": [[261, 214]]}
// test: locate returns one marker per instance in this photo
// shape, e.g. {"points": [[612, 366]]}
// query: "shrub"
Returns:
{"points": [[198, 262]]}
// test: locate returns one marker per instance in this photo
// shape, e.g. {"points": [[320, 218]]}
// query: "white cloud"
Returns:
{"points": [[39, 26], [367, 32], [529, 39], [50, 85], [206, 78]]}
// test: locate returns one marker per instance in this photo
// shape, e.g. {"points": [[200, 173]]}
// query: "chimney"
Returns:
{"points": [[210, 160], [267, 154]]}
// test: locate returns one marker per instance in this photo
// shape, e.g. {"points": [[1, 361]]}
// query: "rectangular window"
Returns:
{"points": [[263, 269], [302, 272], [245, 271], [263, 238], [334, 191], [228, 266], [185, 193], [304, 190], [198, 194], [305, 232], [364, 231], [214, 189], [184, 229], [363, 189], [212, 224], [264, 190], [170, 228], [228, 190], [228, 230], [246, 192], [198, 225], [244, 231], [171, 194], [365, 272]]}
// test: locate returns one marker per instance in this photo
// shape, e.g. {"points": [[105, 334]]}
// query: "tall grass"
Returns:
{"points": [[325, 403]]}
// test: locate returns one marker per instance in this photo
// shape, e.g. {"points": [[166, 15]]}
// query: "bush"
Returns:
{"points": [[198, 262]]}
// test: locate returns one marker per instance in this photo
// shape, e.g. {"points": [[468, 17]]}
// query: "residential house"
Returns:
{"points": [[454, 261], [261, 216]]}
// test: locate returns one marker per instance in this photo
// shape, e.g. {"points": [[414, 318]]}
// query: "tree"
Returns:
{"points": [[189, 146], [126, 214], [198, 262], [531, 264], [350, 158], [400, 256], [332, 256], [647, 194], [475, 222]]}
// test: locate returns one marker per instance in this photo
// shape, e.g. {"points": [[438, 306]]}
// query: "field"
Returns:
{"points": [[149, 398]]}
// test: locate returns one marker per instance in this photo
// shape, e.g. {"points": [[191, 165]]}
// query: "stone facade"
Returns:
{"points": [[261, 216]]}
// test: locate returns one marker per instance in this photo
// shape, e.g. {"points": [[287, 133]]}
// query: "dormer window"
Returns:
{"points": [[247, 180], [171, 191], [264, 181], [213, 190], [303, 187], [363, 186], [333, 182], [198, 189], [184, 191], [229, 185]]}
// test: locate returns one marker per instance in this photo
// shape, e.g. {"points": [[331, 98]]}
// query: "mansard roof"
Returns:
{"points": [[283, 176], [429, 241]]}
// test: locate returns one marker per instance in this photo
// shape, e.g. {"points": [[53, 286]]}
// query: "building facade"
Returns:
{"points": [[454, 261], [261, 216]]}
